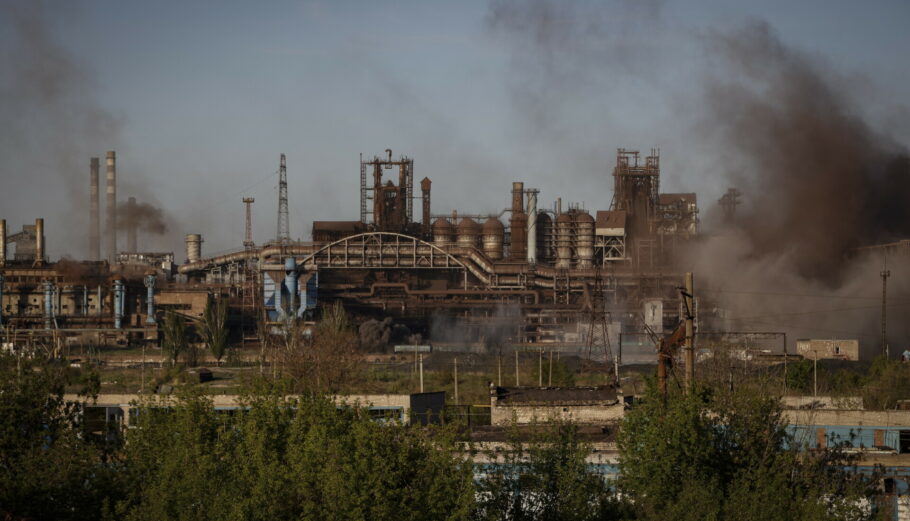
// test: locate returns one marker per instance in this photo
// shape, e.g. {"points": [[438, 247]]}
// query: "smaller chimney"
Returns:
{"points": [[111, 206], [39, 242]]}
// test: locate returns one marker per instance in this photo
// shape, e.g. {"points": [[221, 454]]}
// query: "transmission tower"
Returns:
{"points": [[284, 234], [248, 238], [729, 202]]}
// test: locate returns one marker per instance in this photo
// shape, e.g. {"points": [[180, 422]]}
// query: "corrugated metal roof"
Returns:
{"points": [[556, 396], [611, 219]]}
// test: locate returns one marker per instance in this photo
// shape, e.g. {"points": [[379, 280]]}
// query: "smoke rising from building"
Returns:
{"points": [[53, 119], [820, 180], [141, 216]]}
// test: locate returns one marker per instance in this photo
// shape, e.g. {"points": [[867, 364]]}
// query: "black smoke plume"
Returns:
{"points": [[141, 216], [820, 180]]}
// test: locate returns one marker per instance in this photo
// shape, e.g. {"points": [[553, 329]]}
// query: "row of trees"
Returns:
{"points": [[706, 455]]}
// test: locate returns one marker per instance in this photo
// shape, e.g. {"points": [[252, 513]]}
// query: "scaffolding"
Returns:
{"points": [[636, 188]]}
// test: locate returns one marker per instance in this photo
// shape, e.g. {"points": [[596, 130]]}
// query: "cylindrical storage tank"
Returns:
{"points": [[39, 241], [443, 233], [544, 237], [468, 233], [193, 247], [493, 233], [564, 238], [584, 240]]}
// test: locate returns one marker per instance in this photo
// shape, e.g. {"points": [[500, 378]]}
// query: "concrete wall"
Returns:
{"points": [[838, 349], [585, 414]]}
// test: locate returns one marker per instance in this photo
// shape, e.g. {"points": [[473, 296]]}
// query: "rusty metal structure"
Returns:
{"points": [[530, 275], [552, 267]]}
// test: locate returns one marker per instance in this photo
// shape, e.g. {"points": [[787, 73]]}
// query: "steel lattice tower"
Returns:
{"points": [[284, 233]]}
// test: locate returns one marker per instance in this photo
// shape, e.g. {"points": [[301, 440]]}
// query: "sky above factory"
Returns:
{"points": [[200, 98]]}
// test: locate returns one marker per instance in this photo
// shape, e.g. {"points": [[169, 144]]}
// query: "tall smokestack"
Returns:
{"points": [[131, 229], [94, 229], [39, 241], [2, 242], [532, 226], [111, 206], [425, 188]]}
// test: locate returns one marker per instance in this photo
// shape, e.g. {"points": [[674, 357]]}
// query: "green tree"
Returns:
{"points": [[799, 376], [324, 358], [289, 458], [175, 341], [728, 456], [48, 469], [214, 327], [887, 382], [544, 477]]}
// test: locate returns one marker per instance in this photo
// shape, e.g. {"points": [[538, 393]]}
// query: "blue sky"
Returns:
{"points": [[200, 98]]}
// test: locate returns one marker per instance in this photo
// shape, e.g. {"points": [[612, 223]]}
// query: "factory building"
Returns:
{"points": [[553, 269]]}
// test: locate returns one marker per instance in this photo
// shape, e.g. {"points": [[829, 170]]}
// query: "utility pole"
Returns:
{"points": [[499, 369], [690, 332], [815, 374], [248, 237], [284, 234], [421, 371], [550, 376], [540, 368], [456, 380], [885, 274], [516, 368]]}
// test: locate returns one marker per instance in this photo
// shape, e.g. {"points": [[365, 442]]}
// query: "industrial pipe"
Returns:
{"points": [[279, 308], [85, 300], [111, 206], [118, 303], [290, 269], [48, 304], [150, 299], [39, 241], [532, 226]]}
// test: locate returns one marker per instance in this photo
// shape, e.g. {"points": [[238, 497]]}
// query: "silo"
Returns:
{"points": [[493, 232], [584, 239], [468, 233], [443, 233], [564, 241], [544, 237], [193, 247]]}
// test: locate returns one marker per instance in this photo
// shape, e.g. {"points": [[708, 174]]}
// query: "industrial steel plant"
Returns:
{"points": [[533, 275]]}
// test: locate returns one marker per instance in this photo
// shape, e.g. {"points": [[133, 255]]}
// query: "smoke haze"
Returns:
{"points": [[819, 182]]}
